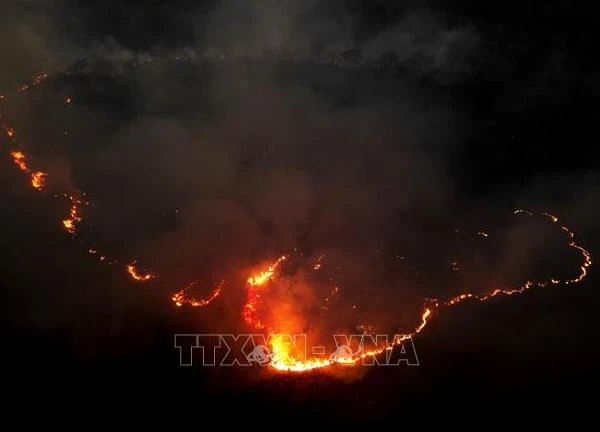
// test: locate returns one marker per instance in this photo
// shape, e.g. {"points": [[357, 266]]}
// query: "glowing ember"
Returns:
{"points": [[37, 80], [317, 265]]}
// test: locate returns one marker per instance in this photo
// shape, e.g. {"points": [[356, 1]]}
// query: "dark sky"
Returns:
{"points": [[363, 130]]}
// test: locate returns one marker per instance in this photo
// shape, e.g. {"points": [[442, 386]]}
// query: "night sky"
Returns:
{"points": [[213, 136]]}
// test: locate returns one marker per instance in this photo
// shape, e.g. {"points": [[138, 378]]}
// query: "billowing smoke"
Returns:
{"points": [[246, 130]]}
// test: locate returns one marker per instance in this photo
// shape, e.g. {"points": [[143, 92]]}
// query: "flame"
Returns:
{"points": [[285, 359], [70, 223], [585, 254], [255, 282], [19, 159], [264, 276], [74, 218], [183, 297], [137, 275], [38, 178]]}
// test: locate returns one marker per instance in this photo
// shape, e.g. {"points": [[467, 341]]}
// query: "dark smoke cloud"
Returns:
{"points": [[42, 35], [282, 125]]}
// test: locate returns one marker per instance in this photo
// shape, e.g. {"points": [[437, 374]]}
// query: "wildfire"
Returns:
{"points": [[264, 276], [70, 223], [255, 282], [286, 360], [585, 254], [137, 275], [183, 297], [38, 178], [19, 159], [284, 356]]}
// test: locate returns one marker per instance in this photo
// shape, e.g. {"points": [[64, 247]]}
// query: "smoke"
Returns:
{"points": [[244, 130]]}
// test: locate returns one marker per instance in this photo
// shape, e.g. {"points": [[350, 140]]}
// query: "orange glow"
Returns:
{"points": [[284, 357], [70, 224], [183, 297], [19, 159], [137, 275], [255, 282], [38, 179], [264, 276]]}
